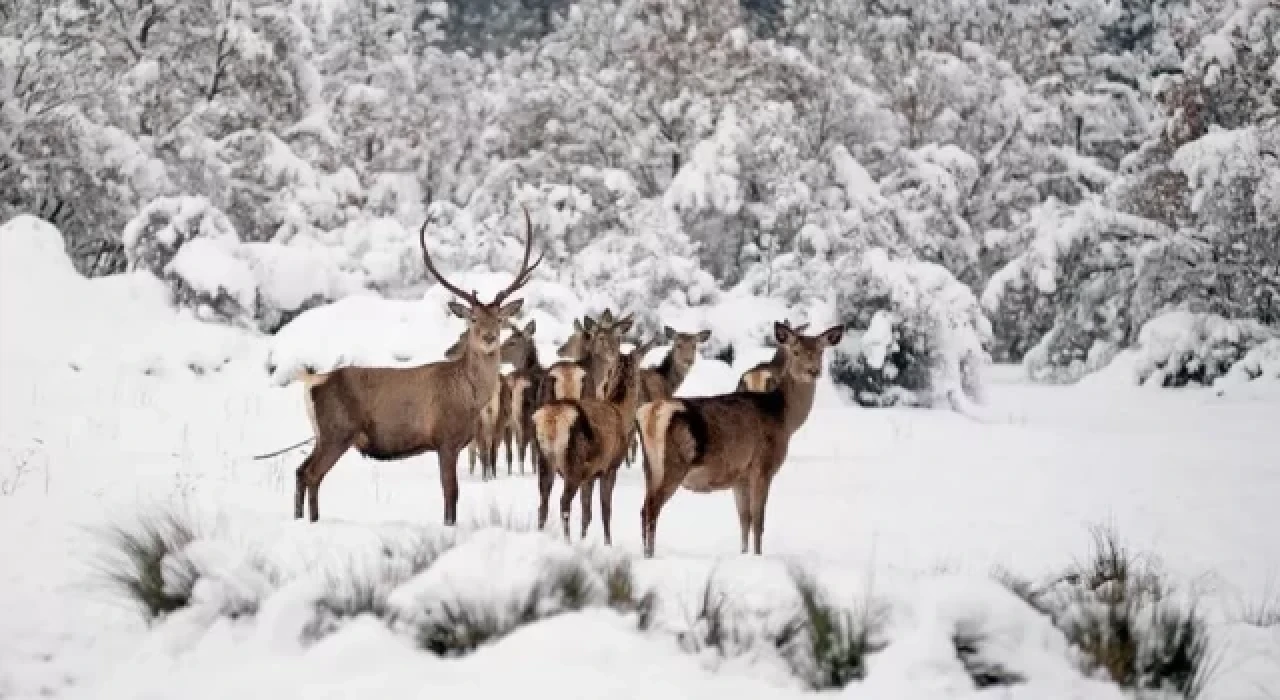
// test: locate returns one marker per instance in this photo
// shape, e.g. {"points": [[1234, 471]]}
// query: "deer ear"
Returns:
{"points": [[510, 309], [528, 329], [833, 335], [460, 310], [704, 336], [577, 326], [783, 333], [606, 318], [588, 324], [668, 333]]}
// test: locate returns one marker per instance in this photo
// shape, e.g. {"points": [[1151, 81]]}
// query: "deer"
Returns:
{"points": [[760, 377], [392, 413], [519, 389], [731, 441], [584, 440], [663, 381]]}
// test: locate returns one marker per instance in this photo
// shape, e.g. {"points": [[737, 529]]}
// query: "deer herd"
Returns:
{"points": [[578, 419]]}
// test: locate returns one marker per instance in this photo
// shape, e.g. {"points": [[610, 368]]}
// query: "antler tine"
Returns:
{"points": [[526, 270], [426, 260]]}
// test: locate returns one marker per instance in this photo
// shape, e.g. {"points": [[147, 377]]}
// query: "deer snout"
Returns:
{"points": [[489, 338]]}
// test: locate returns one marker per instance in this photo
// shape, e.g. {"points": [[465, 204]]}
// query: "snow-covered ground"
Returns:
{"points": [[102, 415]]}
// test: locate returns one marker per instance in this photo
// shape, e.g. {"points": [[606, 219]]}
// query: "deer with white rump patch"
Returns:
{"points": [[393, 413], [584, 441], [733, 441]]}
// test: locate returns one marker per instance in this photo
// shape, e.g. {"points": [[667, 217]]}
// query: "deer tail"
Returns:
{"points": [[553, 426]]}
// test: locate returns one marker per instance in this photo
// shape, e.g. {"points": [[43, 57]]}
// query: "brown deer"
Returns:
{"points": [[736, 440], [584, 440], [519, 388], [392, 413], [760, 377], [661, 382]]}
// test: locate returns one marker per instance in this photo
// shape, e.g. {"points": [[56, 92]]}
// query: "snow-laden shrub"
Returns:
{"points": [[1262, 362], [925, 339], [152, 238], [192, 246], [1182, 347]]}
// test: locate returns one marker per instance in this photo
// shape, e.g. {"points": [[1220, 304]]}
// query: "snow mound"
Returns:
{"points": [[1184, 347], [51, 316]]}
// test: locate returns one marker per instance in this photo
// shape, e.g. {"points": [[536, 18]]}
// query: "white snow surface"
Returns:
{"points": [[910, 507]]}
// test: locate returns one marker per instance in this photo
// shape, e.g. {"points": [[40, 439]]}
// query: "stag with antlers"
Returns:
{"points": [[394, 413]]}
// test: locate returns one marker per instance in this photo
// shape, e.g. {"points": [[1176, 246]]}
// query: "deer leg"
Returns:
{"points": [[545, 480], [588, 485], [522, 445], [606, 504], [448, 458], [633, 443], [506, 442], [655, 503], [313, 471], [759, 499], [471, 457], [742, 496], [566, 502]]}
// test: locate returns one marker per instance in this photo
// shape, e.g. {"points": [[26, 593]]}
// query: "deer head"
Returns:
{"points": [[605, 345], [684, 346], [803, 352], [575, 348], [519, 349], [484, 321]]}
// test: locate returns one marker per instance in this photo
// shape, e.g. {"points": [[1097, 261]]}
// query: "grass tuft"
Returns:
{"points": [[457, 627], [145, 563], [1118, 609], [835, 641]]}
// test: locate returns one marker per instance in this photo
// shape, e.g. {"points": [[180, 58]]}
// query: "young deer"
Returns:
{"points": [[519, 388], [661, 382], [584, 440], [393, 413], [736, 440], [760, 377]]}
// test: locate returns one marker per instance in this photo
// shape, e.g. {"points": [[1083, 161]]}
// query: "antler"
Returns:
{"points": [[426, 260], [522, 277]]}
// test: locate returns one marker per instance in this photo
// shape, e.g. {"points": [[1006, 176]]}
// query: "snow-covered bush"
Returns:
{"points": [[1181, 347], [192, 246], [1262, 362], [925, 339]]}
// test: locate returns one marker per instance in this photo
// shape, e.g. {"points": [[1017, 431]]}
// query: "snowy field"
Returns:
{"points": [[103, 417]]}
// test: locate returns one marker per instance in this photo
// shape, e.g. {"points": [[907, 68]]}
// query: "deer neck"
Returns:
{"points": [[481, 370], [673, 372], [797, 399], [531, 362]]}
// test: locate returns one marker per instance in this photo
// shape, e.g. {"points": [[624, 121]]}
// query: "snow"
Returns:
{"points": [[911, 508], [877, 342]]}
